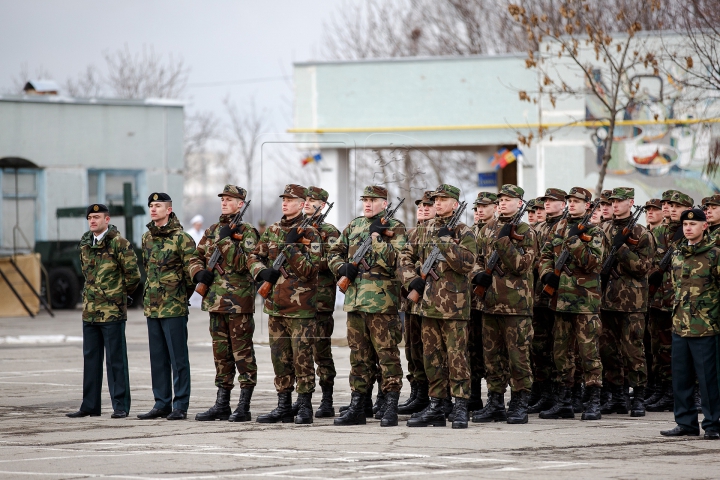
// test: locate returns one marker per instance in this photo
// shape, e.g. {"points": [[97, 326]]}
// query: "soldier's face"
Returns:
{"points": [[596, 217], [666, 209], [444, 206], [508, 205], [676, 210], [425, 211], [159, 212], [653, 215], [713, 214], [532, 218], [311, 203], [540, 215], [98, 222], [291, 207], [554, 207], [576, 207], [372, 206], [621, 208], [486, 211], [476, 214], [606, 210], [694, 229], [230, 205]]}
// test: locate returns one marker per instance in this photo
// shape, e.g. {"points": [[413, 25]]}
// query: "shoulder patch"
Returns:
{"points": [[315, 247], [250, 243]]}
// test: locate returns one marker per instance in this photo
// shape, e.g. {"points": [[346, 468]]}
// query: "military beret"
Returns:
{"points": [[485, 198], [293, 190], [713, 200], [539, 203], [654, 203], [554, 194], [233, 191], [426, 198], [511, 191], [581, 193], [681, 199], [317, 193], [96, 208], [605, 196], [159, 197], [667, 194], [622, 193], [693, 214], [374, 191], [446, 190]]}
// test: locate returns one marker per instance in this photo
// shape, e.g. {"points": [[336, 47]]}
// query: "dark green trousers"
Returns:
{"points": [[169, 362], [99, 340]]}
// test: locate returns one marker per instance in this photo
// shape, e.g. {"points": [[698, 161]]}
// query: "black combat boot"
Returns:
{"points": [[547, 398], [518, 411], [535, 393], [368, 403], [304, 415], [379, 405], [411, 398], [577, 397], [447, 406], [656, 393], [326, 404], [390, 415], [605, 394], [563, 406], [219, 411], [592, 408], [355, 413], [494, 410], [475, 402], [283, 411], [242, 412], [698, 401], [460, 419], [638, 407], [616, 404], [666, 402], [432, 416], [420, 401], [626, 396]]}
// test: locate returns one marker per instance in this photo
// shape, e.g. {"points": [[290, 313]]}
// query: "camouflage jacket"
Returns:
{"points": [[579, 292], [695, 275], [233, 292], [296, 295], [405, 304], [377, 290], [714, 233], [542, 231], [449, 296], [111, 273], [663, 299], [326, 290], [512, 292], [627, 288], [166, 253], [478, 231]]}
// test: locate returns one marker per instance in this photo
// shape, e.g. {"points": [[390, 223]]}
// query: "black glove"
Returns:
{"points": [[574, 231], [203, 276], [293, 236], [270, 275], [378, 227], [348, 270], [482, 279], [505, 231], [129, 301], [445, 231], [226, 231], [620, 239], [655, 279], [551, 279], [418, 285]]}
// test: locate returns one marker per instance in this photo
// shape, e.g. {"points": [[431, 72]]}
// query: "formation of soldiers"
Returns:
{"points": [[569, 310]]}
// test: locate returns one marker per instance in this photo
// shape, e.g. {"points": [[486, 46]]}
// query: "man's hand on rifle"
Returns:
{"points": [[378, 227], [482, 279], [293, 236], [348, 270], [655, 279], [620, 239], [505, 231], [574, 231], [551, 279], [445, 231], [418, 285], [226, 231], [203, 276], [270, 275]]}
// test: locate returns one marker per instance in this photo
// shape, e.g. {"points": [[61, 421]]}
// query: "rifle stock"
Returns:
{"points": [[264, 289]]}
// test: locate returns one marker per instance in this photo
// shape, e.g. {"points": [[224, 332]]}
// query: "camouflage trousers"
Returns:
{"points": [[506, 347], [610, 355], [625, 331], [542, 345], [475, 347], [322, 348], [291, 352], [232, 339], [582, 329], [445, 356], [414, 348], [373, 339], [661, 342]]}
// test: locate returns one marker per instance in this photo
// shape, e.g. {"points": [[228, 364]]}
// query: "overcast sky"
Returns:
{"points": [[221, 41]]}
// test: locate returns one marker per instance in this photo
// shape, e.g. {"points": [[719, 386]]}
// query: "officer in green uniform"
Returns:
{"points": [[111, 273]]}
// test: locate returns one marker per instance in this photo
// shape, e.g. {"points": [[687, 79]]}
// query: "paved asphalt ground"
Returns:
{"points": [[40, 382]]}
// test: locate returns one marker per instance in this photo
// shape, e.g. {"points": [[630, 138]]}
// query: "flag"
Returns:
{"points": [[503, 157], [311, 159]]}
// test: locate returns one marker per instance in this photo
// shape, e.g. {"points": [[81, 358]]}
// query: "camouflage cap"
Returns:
{"points": [[553, 194], [693, 214], [654, 203], [511, 191], [317, 193], [96, 208], [531, 205], [667, 194], [234, 191], [681, 199], [622, 193], [605, 197], [446, 190], [540, 203], [159, 197], [374, 191], [426, 198], [714, 200], [293, 190], [581, 193], [485, 198]]}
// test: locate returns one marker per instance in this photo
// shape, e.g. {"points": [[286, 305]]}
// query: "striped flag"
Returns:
{"points": [[311, 159]]}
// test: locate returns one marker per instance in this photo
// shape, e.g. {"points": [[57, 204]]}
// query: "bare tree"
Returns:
{"points": [[245, 129], [201, 129], [88, 84], [145, 74]]}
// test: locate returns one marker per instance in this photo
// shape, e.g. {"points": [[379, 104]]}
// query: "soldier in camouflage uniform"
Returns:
{"points": [[696, 325], [576, 303], [606, 210], [653, 219], [532, 220], [444, 306], [507, 310], [167, 251], [624, 305], [712, 212], [371, 300], [291, 305], [540, 213], [111, 273], [230, 300], [666, 236], [653, 213], [544, 372]]}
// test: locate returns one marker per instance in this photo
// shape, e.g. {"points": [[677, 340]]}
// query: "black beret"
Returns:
{"points": [[159, 197], [96, 208], [693, 214]]}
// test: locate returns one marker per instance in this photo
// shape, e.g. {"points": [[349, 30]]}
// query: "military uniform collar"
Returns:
{"points": [[712, 228], [621, 222], [285, 222]]}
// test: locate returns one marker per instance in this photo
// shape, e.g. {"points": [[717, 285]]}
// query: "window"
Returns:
{"points": [[19, 209]]}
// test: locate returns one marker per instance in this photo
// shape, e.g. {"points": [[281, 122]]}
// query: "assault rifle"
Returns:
{"points": [[214, 263], [428, 267], [321, 219], [560, 263], [608, 267], [359, 256], [279, 263], [494, 260]]}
